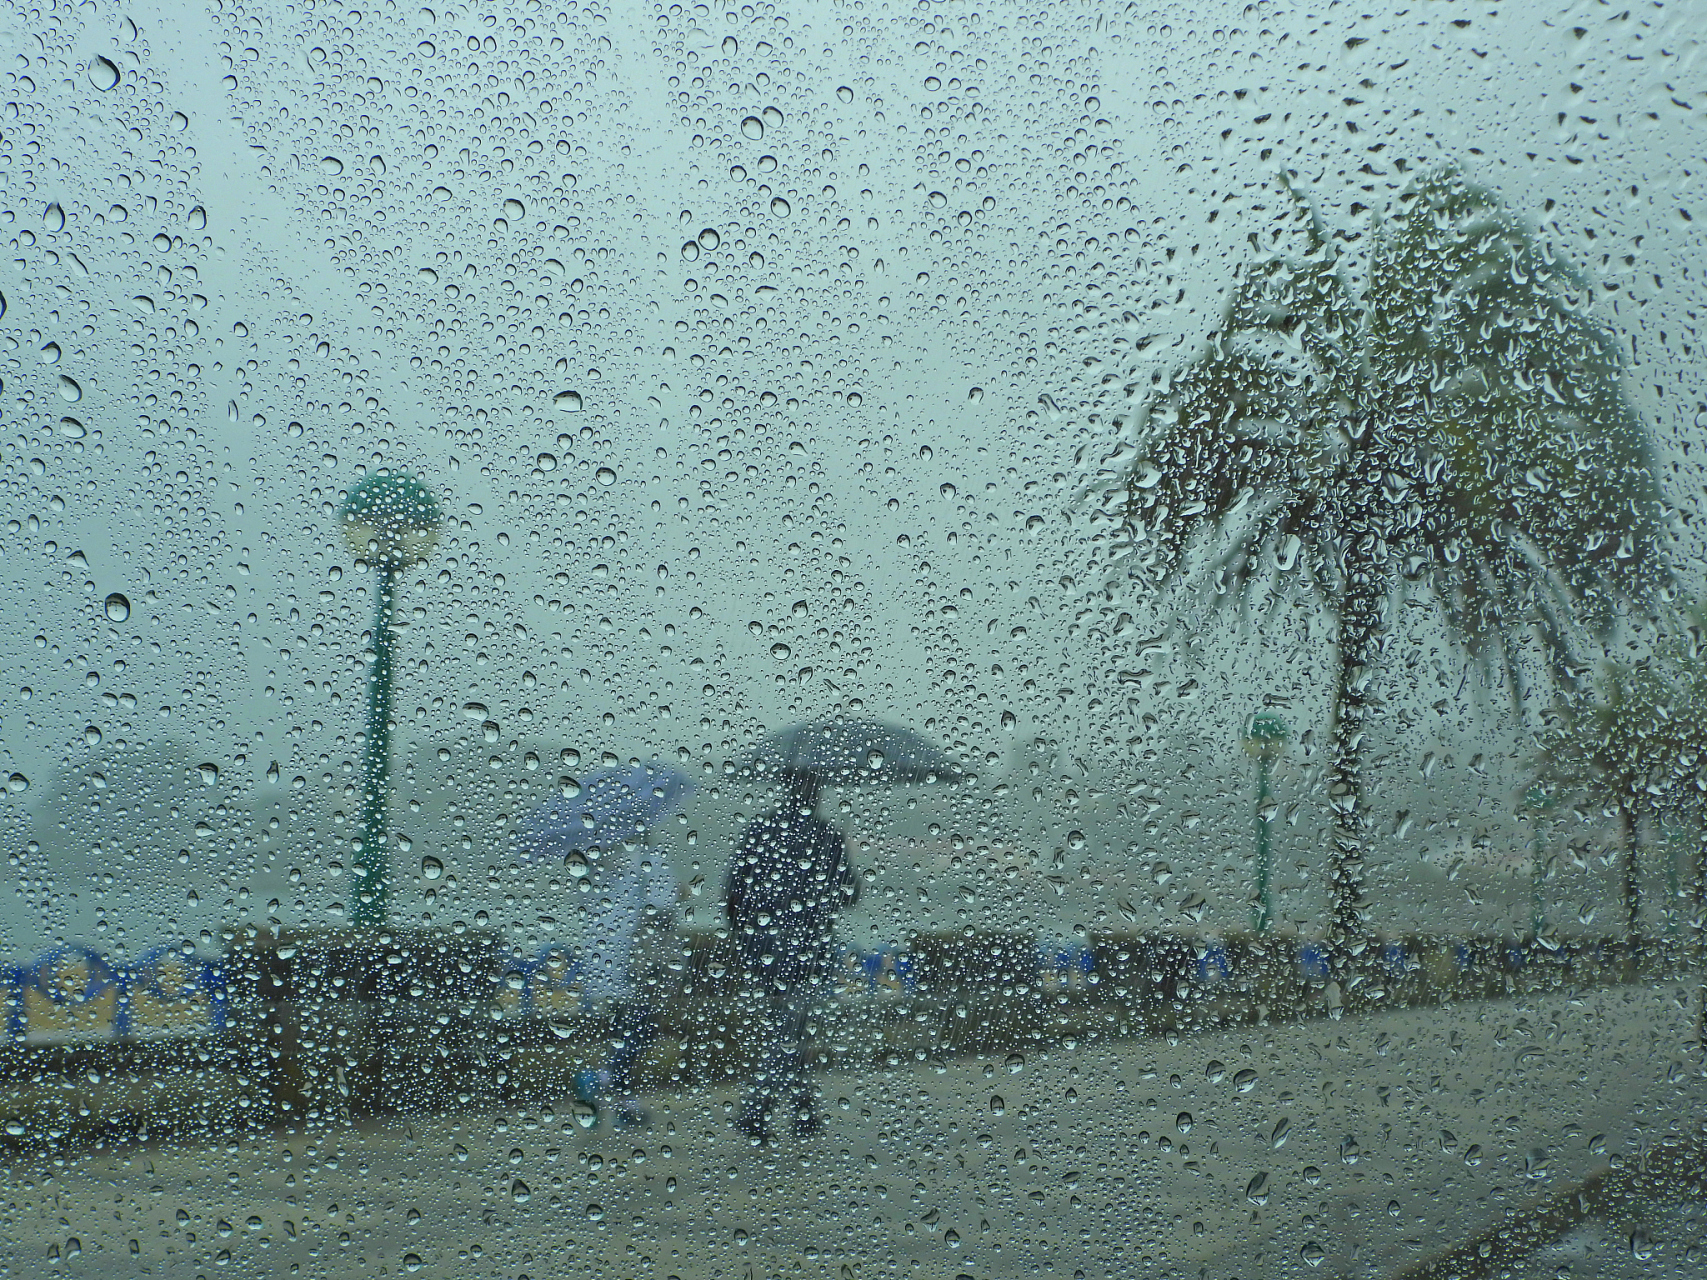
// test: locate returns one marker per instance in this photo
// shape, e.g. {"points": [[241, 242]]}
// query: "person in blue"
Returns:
{"points": [[789, 878]]}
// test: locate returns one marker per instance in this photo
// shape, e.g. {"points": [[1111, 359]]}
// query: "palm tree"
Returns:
{"points": [[1454, 421], [1638, 749]]}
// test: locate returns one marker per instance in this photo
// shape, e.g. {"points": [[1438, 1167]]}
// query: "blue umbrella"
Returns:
{"points": [[611, 805]]}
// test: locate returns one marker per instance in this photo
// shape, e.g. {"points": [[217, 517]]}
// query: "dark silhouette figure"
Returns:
{"points": [[789, 878]]}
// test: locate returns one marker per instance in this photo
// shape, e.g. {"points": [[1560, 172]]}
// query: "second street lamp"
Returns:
{"points": [[391, 521], [1265, 739]]}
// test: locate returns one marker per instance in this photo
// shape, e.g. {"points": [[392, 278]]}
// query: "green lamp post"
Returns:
{"points": [[1265, 739], [391, 521]]}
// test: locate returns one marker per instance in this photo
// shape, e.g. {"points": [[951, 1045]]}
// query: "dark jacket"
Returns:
{"points": [[789, 878]]}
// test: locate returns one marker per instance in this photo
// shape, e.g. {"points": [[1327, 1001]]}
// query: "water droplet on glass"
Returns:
{"points": [[781, 207], [1182, 1122], [412, 1262], [998, 1105], [50, 353], [1016, 1063], [118, 607], [53, 217], [1313, 1253], [273, 771], [937, 199], [874, 760], [431, 868], [92, 735], [605, 476], [179, 122], [575, 863], [546, 462], [569, 401], [209, 773], [143, 304], [331, 165], [709, 239], [197, 219], [519, 1191], [731, 46], [772, 117], [17, 782], [103, 74], [780, 652], [690, 251], [595, 1212], [845, 93], [1215, 1071], [1245, 1081], [69, 389], [514, 209], [752, 128], [975, 395]]}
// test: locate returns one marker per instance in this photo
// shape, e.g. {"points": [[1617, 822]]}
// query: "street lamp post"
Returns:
{"points": [[391, 521], [1265, 739]]}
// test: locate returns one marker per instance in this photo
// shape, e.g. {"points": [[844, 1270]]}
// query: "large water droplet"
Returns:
{"points": [[568, 787], [92, 735], [690, 251], [72, 429], [53, 217], [998, 1104], [568, 401], [143, 303], [197, 219], [575, 863], [781, 207], [514, 209], [69, 389], [210, 774], [273, 771], [731, 46], [771, 116], [17, 782], [709, 239], [605, 476], [874, 760], [975, 395], [519, 1191], [118, 607], [753, 128], [103, 74], [845, 93], [937, 199], [431, 868], [546, 462], [179, 122], [50, 353], [331, 165], [1313, 1253], [780, 652]]}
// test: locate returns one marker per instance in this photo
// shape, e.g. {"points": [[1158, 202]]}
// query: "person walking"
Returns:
{"points": [[625, 890], [789, 878]]}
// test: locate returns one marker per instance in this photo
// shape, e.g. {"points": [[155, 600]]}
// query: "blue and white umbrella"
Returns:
{"points": [[609, 807]]}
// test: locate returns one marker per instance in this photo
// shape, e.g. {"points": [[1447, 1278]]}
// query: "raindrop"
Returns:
{"points": [[412, 1261], [780, 652], [331, 165], [2, 306], [273, 771], [772, 117], [17, 782], [143, 303], [569, 401], [92, 735], [752, 128], [575, 863], [1182, 1122], [546, 462], [103, 74], [431, 868], [179, 122], [1245, 1081], [938, 200], [69, 389], [50, 353], [53, 217], [780, 207], [514, 209], [595, 1212], [605, 476], [1312, 1253], [874, 760], [1016, 1063], [731, 46], [519, 1191], [568, 787], [690, 251], [197, 219], [209, 773], [71, 429], [709, 239], [998, 1105], [1216, 1071], [975, 395], [845, 93], [1256, 1190]]}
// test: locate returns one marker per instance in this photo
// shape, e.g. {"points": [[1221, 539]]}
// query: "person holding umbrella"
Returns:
{"points": [[789, 878], [623, 886]]}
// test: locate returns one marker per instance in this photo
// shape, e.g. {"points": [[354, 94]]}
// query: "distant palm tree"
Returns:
{"points": [[1455, 421], [1638, 749]]}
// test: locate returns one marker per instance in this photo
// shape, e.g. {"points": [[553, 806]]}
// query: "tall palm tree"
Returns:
{"points": [[1454, 420]]}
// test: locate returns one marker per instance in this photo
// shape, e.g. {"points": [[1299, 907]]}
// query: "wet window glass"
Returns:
{"points": [[852, 639]]}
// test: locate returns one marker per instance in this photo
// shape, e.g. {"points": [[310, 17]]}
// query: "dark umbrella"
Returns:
{"points": [[611, 805], [843, 751]]}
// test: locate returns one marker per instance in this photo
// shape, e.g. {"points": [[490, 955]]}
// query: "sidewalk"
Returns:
{"points": [[1352, 1147]]}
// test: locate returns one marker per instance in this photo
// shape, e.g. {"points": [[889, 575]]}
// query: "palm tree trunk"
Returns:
{"points": [[1632, 889], [1360, 623]]}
